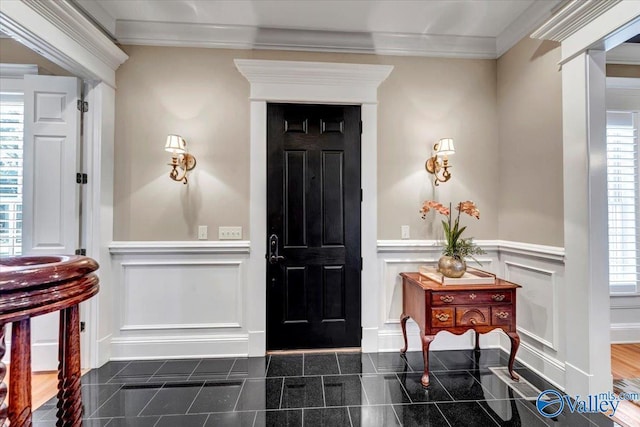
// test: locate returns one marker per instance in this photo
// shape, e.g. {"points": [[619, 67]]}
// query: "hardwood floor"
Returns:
{"points": [[625, 363], [44, 386]]}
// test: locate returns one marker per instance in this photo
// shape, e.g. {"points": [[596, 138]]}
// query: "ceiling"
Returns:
{"points": [[453, 28]]}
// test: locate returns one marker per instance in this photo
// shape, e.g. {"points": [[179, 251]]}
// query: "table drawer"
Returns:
{"points": [[501, 315], [470, 297], [442, 317], [472, 316]]}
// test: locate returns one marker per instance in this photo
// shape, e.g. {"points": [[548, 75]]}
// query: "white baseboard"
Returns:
{"points": [[44, 357], [179, 347], [625, 333], [104, 351], [257, 343]]}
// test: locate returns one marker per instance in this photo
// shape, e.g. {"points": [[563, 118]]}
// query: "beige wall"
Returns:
{"points": [[199, 94], [12, 52], [621, 70], [530, 155]]}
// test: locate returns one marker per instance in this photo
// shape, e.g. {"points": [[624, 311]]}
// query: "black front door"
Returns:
{"points": [[313, 226]]}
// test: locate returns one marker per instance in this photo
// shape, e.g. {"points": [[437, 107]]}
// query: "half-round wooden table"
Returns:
{"points": [[31, 286]]}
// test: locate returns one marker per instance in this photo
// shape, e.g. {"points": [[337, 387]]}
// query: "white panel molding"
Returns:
{"points": [[179, 247], [312, 82], [61, 33], [553, 344], [625, 333], [16, 71], [238, 285]]}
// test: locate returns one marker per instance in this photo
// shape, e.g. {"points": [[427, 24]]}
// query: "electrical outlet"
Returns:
{"points": [[230, 233], [405, 232], [202, 232]]}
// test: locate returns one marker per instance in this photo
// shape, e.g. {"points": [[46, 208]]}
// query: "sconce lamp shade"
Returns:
{"points": [[175, 144], [445, 147]]}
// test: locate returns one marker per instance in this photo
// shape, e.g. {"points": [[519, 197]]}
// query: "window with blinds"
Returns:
{"points": [[623, 188], [11, 134]]}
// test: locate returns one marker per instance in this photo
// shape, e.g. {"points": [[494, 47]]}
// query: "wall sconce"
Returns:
{"points": [[177, 146], [440, 168]]}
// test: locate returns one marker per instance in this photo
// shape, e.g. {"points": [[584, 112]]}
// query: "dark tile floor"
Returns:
{"points": [[333, 389]]}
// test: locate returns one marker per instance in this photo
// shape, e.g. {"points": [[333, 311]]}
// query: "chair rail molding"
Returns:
{"points": [[179, 247]]}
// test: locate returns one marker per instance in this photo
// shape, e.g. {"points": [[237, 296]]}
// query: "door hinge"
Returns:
{"points": [[83, 106], [360, 127], [82, 252], [83, 326], [82, 178], [361, 263]]}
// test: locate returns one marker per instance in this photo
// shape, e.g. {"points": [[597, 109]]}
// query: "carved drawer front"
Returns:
{"points": [[470, 297], [501, 315], [442, 317], [472, 316]]}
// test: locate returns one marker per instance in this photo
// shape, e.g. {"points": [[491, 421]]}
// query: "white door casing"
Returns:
{"points": [[50, 204]]}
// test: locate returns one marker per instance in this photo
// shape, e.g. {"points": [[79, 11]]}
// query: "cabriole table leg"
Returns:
{"points": [[20, 385], [69, 395], [3, 387]]}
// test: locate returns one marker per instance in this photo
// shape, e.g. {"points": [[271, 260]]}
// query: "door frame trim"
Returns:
{"points": [[317, 83]]}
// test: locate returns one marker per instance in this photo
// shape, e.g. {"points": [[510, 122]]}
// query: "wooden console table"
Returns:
{"points": [[29, 287], [456, 309]]}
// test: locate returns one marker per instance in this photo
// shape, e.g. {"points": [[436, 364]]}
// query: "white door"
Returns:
{"points": [[51, 195]]}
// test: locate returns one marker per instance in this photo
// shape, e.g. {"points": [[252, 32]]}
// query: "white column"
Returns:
{"points": [[586, 316]]}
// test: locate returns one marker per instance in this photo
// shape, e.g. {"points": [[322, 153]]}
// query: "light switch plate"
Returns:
{"points": [[405, 232], [202, 232], [230, 233]]}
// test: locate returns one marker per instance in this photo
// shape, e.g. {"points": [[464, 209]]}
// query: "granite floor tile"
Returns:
{"points": [[260, 394], [182, 420], [173, 399], [212, 369], [320, 364], [95, 395], [417, 393], [462, 385], [468, 414], [455, 359], [128, 401], [373, 416], [216, 396], [415, 359], [249, 367], [384, 388], [355, 363], [133, 422], [302, 392], [177, 367], [420, 415], [326, 417], [512, 413], [389, 362], [285, 366], [103, 374], [343, 390], [231, 419], [284, 418]]}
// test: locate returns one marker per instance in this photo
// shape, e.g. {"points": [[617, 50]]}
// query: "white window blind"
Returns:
{"points": [[11, 134], [623, 196]]}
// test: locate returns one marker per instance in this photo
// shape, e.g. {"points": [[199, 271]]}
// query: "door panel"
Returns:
{"points": [[51, 195], [313, 208]]}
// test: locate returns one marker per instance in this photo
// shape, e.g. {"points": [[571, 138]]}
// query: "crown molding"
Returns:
{"points": [[531, 18], [98, 14], [61, 33], [247, 37], [17, 71], [574, 15], [627, 53]]}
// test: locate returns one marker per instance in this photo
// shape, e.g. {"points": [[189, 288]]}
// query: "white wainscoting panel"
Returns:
{"points": [[180, 300], [181, 295], [537, 303]]}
